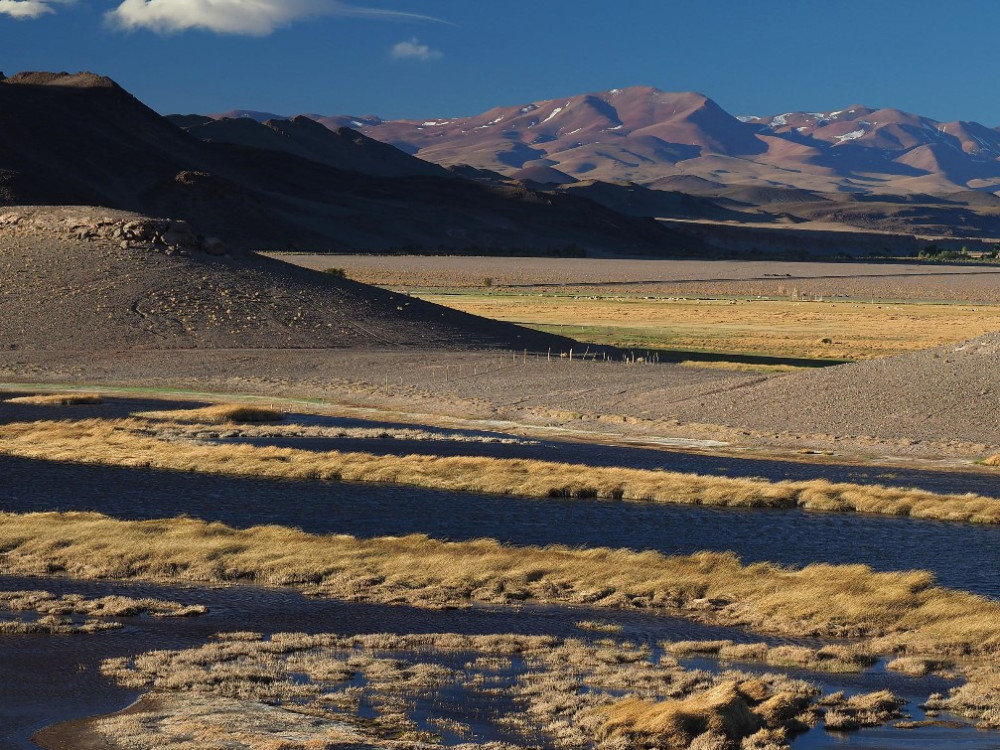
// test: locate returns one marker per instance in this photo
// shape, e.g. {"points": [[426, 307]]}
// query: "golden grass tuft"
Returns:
{"points": [[599, 626], [129, 442], [920, 666], [46, 603], [864, 710], [721, 712], [57, 399]]}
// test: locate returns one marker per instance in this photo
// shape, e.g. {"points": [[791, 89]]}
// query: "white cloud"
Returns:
{"points": [[250, 17], [24, 9], [412, 49]]}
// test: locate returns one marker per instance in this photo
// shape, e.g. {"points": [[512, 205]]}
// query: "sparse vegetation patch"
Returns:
{"points": [[172, 430], [43, 612], [562, 693], [902, 614], [834, 658]]}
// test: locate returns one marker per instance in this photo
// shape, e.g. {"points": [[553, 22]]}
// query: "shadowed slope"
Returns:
{"points": [[57, 292], [342, 148]]}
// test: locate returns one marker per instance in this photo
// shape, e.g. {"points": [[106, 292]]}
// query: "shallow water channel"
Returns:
{"points": [[636, 457], [965, 556], [47, 679], [53, 678]]}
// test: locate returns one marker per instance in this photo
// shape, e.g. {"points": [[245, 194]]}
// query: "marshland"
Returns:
{"points": [[415, 555]]}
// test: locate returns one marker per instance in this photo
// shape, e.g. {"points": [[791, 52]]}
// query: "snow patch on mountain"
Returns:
{"points": [[555, 112]]}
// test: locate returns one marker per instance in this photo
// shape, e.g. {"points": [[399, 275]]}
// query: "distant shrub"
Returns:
{"points": [[340, 273], [933, 252]]}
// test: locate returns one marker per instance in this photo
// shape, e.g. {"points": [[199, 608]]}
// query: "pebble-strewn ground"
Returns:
{"points": [[93, 310]]}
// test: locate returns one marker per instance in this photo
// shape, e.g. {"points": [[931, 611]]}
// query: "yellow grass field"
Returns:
{"points": [[774, 328], [791, 310]]}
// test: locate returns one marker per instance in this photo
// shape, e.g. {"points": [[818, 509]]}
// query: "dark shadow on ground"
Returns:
{"points": [[674, 356]]}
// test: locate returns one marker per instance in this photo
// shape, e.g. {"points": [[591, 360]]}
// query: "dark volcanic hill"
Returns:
{"points": [[647, 136], [68, 283], [81, 139], [341, 148]]}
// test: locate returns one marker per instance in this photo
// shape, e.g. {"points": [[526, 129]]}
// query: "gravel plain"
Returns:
{"points": [[91, 311]]}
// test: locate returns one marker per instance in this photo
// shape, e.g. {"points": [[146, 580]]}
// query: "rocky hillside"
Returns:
{"points": [[85, 279], [941, 395]]}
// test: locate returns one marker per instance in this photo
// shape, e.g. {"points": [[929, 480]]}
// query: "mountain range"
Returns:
{"points": [[307, 182], [687, 142], [81, 139]]}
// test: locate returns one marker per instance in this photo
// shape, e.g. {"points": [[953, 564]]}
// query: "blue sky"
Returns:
{"points": [[439, 58]]}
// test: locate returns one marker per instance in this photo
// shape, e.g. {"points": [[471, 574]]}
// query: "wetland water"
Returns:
{"points": [[628, 456], [785, 536], [53, 678], [47, 679]]}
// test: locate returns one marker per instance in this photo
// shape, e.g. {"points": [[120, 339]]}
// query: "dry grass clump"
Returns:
{"points": [[978, 698], [128, 443], [865, 710], [55, 625], [46, 603], [721, 712], [739, 711], [55, 613], [920, 666], [692, 648], [599, 626], [218, 414], [831, 658], [993, 460], [57, 399]]}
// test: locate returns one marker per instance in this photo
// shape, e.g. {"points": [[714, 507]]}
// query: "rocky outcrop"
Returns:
{"points": [[170, 236]]}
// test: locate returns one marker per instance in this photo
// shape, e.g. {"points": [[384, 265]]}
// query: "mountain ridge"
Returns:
{"points": [[642, 134]]}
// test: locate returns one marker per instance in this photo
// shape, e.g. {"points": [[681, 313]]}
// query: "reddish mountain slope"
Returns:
{"points": [[647, 136]]}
